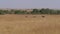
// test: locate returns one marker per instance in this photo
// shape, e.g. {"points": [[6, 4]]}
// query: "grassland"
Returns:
{"points": [[29, 24]]}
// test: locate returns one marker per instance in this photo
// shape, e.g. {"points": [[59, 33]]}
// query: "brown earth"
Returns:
{"points": [[29, 24]]}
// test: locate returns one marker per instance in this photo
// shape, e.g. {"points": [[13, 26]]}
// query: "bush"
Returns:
{"points": [[19, 12]]}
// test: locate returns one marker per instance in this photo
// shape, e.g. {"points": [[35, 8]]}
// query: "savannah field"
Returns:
{"points": [[29, 24]]}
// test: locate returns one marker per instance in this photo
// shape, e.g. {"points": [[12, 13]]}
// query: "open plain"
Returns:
{"points": [[29, 24]]}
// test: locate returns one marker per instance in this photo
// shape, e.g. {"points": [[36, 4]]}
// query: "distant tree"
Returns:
{"points": [[58, 11], [12, 11], [35, 11], [6, 11], [19, 12], [42, 11], [2, 12]]}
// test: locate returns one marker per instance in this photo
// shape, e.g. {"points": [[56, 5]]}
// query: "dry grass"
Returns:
{"points": [[19, 24]]}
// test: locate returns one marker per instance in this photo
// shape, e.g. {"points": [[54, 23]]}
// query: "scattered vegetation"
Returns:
{"points": [[34, 11]]}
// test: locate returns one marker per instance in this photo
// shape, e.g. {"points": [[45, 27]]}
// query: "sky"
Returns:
{"points": [[30, 4]]}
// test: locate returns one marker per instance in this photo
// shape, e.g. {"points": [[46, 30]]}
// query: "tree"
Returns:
{"points": [[35, 11], [19, 12], [44, 11], [58, 11], [2, 12]]}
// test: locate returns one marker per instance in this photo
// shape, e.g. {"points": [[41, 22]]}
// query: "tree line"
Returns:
{"points": [[34, 11]]}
